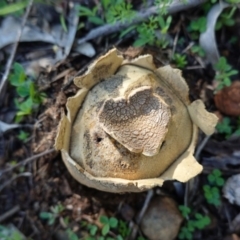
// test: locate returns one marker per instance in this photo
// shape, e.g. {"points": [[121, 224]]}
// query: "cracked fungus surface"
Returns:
{"points": [[128, 127], [138, 122]]}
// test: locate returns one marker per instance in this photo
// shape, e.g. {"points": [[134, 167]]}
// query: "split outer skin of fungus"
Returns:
{"points": [[131, 126]]}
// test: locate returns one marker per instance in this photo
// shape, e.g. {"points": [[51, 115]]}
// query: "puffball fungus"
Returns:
{"points": [[131, 126]]}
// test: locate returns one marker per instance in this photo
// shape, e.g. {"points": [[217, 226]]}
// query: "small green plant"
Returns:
{"points": [[185, 211], [226, 19], [212, 189], [212, 195], [180, 60], [92, 229], [196, 49], [147, 35], [121, 11], [63, 22], [28, 98], [91, 14], [233, 1], [108, 223], [23, 136], [123, 229], [71, 235], [225, 127], [162, 6], [110, 226], [215, 178], [197, 26], [223, 73], [10, 233], [12, 8], [53, 215], [194, 222]]}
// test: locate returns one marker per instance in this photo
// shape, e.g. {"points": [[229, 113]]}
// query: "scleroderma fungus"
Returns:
{"points": [[131, 126]]}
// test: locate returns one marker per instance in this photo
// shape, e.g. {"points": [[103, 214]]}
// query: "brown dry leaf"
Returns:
{"points": [[228, 99]]}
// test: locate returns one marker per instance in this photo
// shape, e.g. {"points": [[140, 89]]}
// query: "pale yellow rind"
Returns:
{"points": [[73, 103], [174, 80], [205, 120], [102, 68], [186, 166], [145, 61]]}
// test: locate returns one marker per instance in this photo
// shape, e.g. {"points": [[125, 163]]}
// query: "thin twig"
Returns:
{"points": [[175, 43], [107, 29], [28, 160], [192, 182], [13, 52], [141, 214], [201, 146], [25, 174], [9, 213], [145, 206]]}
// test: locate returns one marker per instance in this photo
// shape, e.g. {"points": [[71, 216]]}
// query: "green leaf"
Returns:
{"points": [[23, 135], [45, 215], [18, 76], [185, 234], [18, 68], [217, 172], [104, 219], [23, 89], [119, 237], [127, 30], [185, 211], [93, 230], [201, 221], [200, 24], [225, 126], [71, 235], [113, 222], [233, 72], [140, 42], [190, 226], [105, 3], [51, 220], [14, 7], [84, 11], [105, 229], [26, 106], [123, 229], [32, 91], [96, 20], [63, 23]]}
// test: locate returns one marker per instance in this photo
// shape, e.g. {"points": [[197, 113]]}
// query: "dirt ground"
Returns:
{"points": [[33, 177]]}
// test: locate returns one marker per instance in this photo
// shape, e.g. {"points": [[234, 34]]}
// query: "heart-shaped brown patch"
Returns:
{"points": [[139, 122]]}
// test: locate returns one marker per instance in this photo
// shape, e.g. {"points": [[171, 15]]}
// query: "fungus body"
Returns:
{"points": [[131, 126]]}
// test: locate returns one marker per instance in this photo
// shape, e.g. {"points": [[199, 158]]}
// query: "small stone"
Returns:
{"points": [[231, 189], [162, 219]]}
